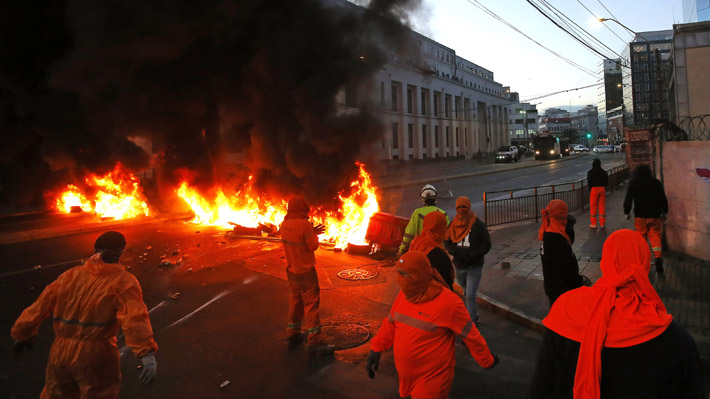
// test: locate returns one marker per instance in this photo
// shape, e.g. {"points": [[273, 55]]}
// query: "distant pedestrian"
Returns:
{"points": [[414, 227], [650, 205], [422, 325], [431, 243], [468, 241], [560, 269], [88, 304], [615, 339], [597, 179], [300, 241]]}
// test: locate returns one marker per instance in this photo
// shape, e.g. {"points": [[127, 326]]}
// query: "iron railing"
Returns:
{"points": [[508, 206]]}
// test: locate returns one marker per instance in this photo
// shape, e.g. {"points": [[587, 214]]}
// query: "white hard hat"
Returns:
{"points": [[429, 191]]}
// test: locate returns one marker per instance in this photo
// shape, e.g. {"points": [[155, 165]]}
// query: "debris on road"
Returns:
{"points": [[148, 247], [175, 295], [165, 263], [224, 383]]}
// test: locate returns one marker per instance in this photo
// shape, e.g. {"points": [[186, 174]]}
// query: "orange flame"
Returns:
{"points": [[348, 224], [116, 194]]}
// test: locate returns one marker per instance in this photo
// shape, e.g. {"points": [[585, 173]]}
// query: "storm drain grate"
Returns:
{"points": [[357, 274]]}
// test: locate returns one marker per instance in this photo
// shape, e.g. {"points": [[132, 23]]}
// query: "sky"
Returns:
{"points": [[523, 65]]}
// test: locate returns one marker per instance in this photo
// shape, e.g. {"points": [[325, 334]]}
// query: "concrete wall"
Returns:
{"points": [[688, 224]]}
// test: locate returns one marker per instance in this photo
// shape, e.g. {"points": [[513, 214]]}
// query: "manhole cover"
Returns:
{"points": [[357, 274], [344, 336]]}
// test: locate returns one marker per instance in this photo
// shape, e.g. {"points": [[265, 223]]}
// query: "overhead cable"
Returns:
{"points": [[558, 92]]}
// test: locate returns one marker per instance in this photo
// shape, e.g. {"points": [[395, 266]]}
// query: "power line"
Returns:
{"points": [[578, 28], [494, 15], [561, 91], [584, 43], [605, 25], [614, 16]]}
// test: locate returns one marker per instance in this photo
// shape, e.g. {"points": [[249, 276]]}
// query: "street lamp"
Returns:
{"points": [[525, 123]]}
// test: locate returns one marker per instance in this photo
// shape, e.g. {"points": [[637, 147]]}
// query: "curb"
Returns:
{"points": [[39, 234], [472, 174], [510, 313]]}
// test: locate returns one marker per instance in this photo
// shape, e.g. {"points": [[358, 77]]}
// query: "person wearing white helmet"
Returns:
{"points": [[414, 227]]}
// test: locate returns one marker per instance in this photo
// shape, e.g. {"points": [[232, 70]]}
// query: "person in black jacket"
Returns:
{"points": [[431, 243], [616, 339], [650, 207], [560, 270], [597, 179], [468, 242]]}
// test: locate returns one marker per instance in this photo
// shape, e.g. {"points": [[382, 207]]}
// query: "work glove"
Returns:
{"points": [[319, 229], [373, 363], [496, 360], [19, 347], [627, 216], [150, 366]]}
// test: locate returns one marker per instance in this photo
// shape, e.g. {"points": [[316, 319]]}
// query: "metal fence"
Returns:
{"points": [[689, 128], [509, 206]]}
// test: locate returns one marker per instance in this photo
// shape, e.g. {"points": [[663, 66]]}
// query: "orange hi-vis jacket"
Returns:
{"points": [[300, 243], [423, 339], [91, 302]]}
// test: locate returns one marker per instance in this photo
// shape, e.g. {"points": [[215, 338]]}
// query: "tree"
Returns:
{"points": [[570, 134]]}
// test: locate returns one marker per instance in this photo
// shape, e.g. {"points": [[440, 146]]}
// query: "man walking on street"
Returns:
{"points": [[88, 304], [650, 205], [414, 227], [597, 179], [300, 241]]}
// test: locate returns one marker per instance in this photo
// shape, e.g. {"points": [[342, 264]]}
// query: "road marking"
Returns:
{"points": [[219, 296], [67, 263]]}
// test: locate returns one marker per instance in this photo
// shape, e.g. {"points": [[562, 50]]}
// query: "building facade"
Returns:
{"points": [[610, 91], [696, 11], [522, 124], [688, 84], [644, 90], [586, 122], [437, 104]]}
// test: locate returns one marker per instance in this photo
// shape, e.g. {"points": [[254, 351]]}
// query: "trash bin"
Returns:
{"points": [[386, 230]]}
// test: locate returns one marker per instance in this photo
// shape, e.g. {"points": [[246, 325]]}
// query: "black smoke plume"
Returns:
{"points": [[82, 81]]}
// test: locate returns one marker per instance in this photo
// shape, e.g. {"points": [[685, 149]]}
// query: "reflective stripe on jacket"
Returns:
{"points": [[300, 244], [414, 227], [423, 339], [91, 302]]}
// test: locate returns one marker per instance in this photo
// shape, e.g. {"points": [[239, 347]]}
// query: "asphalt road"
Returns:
{"points": [[219, 315], [402, 201], [227, 322]]}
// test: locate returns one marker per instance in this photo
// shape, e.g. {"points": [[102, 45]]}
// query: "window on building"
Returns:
{"points": [[447, 105], [457, 137], [394, 98], [448, 142], [423, 136], [395, 136], [424, 96], [410, 100], [410, 134], [437, 97], [457, 107], [436, 136]]}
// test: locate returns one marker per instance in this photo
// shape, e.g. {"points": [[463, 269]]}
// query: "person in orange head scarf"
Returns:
{"points": [[431, 243], [560, 270], [615, 339], [468, 241], [424, 320]]}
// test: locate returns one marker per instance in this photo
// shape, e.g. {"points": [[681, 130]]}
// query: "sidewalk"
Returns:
{"points": [[517, 291]]}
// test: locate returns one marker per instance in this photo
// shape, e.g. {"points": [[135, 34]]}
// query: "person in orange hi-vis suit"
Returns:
{"points": [[424, 320], [300, 241], [597, 179], [88, 304]]}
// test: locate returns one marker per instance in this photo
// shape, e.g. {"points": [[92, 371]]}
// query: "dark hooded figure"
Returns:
{"points": [[650, 204]]}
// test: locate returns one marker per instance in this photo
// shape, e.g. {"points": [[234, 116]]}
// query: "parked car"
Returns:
{"points": [[617, 148], [603, 148], [579, 148], [522, 150], [508, 153]]}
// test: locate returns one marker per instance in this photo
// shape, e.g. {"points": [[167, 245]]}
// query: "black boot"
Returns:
{"points": [[659, 266]]}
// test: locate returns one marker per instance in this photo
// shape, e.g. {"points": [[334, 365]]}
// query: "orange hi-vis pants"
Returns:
{"points": [[597, 203], [303, 305], [651, 229]]}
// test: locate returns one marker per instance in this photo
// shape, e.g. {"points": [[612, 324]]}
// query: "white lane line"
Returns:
{"points": [[36, 268], [220, 295]]}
